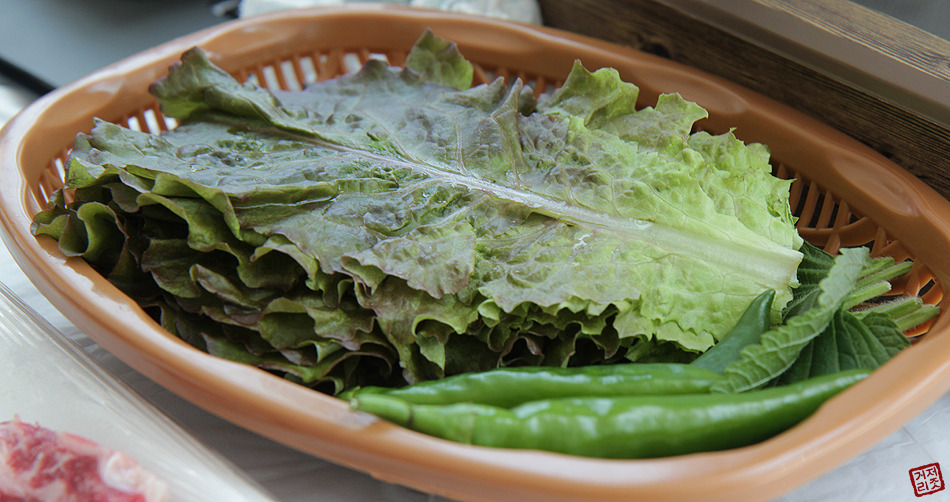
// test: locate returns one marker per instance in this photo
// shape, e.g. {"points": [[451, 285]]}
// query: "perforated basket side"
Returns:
{"points": [[829, 222]]}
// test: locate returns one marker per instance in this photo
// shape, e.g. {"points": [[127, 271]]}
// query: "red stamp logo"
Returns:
{"points": [[926, 479]]}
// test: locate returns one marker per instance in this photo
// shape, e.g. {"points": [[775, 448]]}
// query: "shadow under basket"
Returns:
{"points": [[844, 195]]}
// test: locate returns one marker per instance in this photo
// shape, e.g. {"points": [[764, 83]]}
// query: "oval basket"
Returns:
{"points": [[845, 194]]}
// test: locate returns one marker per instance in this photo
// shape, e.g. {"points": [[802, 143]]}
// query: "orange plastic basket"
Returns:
{"points": [[846, 194]]}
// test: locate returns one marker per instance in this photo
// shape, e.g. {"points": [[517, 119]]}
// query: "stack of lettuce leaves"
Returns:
{"points": [[398, 225]]}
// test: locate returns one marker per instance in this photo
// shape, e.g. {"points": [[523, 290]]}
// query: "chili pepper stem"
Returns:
{"points": [[455, 422], [388, 408]]}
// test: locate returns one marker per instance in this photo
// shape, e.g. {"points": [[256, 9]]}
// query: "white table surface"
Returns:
{"points": [[879, 474]]}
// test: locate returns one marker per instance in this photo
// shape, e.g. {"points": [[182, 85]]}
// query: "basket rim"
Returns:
{"points": [[324, 426]]}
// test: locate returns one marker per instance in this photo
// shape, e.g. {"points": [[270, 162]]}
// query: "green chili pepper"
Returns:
{"points": [[620, 427], [507, 387], [755, 321]]}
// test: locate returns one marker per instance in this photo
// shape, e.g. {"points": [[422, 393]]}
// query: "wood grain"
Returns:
{"points": [[910, 137], [915, 48]]}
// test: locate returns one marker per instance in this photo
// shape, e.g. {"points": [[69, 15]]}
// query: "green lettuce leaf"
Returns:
{"points": [[401, 207]]}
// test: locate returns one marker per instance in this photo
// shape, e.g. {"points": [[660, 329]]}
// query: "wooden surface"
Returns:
{"points": [[889, 36], [871, 76]]}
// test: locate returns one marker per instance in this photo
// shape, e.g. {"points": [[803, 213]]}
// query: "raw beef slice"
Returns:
{"points": [[38, 464]]}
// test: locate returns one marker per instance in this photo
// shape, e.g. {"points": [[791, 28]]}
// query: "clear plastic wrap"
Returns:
{"points": [[49, 380]]}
